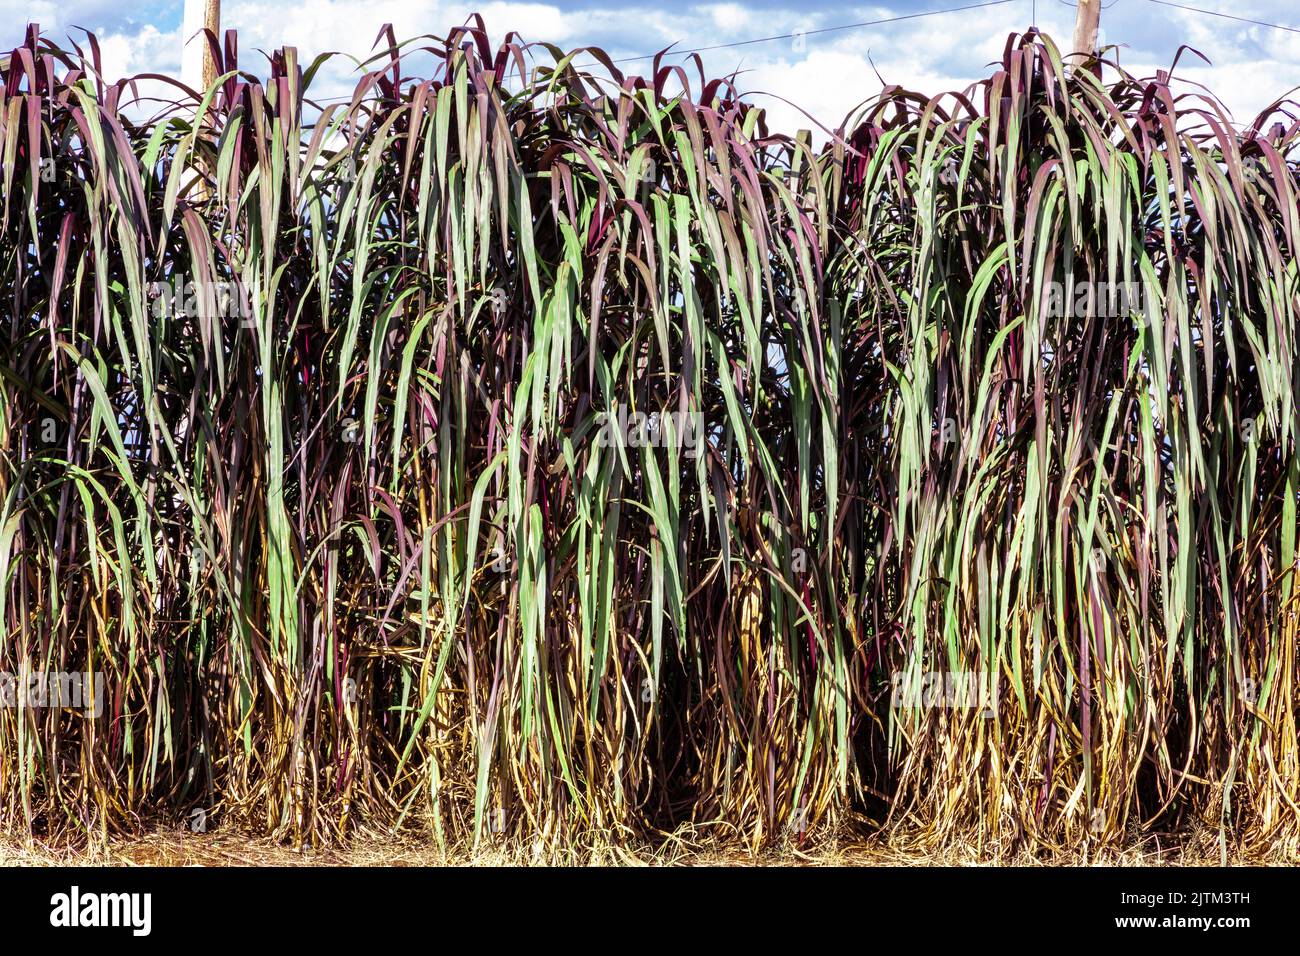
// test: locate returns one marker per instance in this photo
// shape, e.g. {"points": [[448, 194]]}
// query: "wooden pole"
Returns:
{"points": [[198, 68], [1086, 22], [212, 20]]}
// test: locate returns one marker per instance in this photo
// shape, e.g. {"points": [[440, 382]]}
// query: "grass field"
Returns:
{"points": [[523, 451]]}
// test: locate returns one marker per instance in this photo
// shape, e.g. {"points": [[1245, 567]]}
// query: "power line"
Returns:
{"points": [[782, 36], [1227, 16], [1104, 6], [898, 19], [808, 33]]}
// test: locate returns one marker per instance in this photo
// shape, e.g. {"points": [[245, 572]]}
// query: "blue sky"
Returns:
{"points": [[826, 74]]}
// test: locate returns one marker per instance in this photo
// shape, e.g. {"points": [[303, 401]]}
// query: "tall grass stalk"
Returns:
{"points": [[536, 450]]}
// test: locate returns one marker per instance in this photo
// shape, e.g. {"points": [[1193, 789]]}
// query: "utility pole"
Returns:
{"points": [[198, 68], [1086, 22]]}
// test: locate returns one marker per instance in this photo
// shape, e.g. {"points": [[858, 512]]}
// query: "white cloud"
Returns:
{"points": [[827, 74], [729, 18], [148, 51]]}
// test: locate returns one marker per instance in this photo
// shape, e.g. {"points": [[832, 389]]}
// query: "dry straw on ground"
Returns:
{"points": [[178, 848]]}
